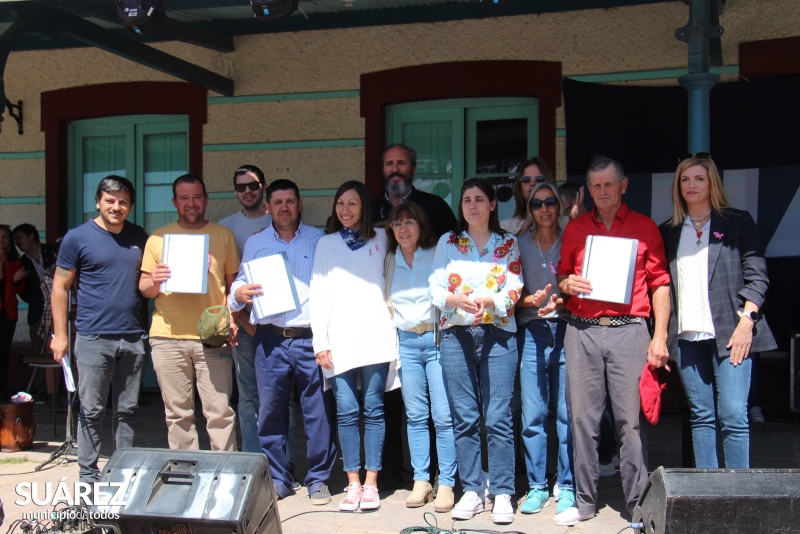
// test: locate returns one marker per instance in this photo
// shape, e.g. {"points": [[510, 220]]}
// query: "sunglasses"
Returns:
{"points": [[536, 204], [252, 186], [696, 155], [538, 179], [408, 223]]}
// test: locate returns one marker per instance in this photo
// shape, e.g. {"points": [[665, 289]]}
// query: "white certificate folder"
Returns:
{"points": [[186, 255], [274, 273], [609, 264]]}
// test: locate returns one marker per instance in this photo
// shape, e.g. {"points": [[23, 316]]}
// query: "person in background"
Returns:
{"points": [[719, 285], [571, 196], [476, 281], [354, 338], [36, 258], [541, 324], [248, 186], [12, 280], [409, 262]]}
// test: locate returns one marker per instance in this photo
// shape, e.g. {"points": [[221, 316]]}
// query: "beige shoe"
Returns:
{"points": [[421, 494], [445, 500]]}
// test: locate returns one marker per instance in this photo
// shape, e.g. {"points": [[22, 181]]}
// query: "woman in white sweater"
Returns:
{"points": [[354, 337]]}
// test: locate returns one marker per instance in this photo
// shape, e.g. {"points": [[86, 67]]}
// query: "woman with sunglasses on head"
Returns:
{"points": [[533, 172], [354, 338], [409, 262], [12, 280], [476, 282], [541, 325], [719, 281]]}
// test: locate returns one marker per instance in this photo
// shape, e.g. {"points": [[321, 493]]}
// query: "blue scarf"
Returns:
{"points": [[351, 238]]}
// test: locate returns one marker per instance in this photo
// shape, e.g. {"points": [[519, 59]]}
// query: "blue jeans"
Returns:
{"points": [[424, 395], [480, 367], [542, 375], [704, 373], [103, 360], [281, 362], [244, 355], [345, 390]]}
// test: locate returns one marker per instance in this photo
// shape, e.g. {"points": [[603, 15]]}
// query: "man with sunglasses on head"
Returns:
{"points": [[607, 344], [249, 185]]}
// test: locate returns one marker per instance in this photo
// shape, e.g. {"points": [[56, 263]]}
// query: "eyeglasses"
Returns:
{"points": [[538, 179], [696, 155], [407, 223], [536, 204], [252, 186]]}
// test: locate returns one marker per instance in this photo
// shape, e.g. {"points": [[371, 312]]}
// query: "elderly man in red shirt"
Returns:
{"points": [[608, 343]]}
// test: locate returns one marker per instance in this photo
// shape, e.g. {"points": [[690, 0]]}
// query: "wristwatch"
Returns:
{"points": [[753, 316]]}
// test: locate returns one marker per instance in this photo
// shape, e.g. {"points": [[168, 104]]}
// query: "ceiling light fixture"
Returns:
{"points": [[141, 16], [273, 9]]}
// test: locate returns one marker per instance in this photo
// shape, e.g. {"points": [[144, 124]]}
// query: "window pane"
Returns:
{"points": [[165, 158], [433, 142], [101, 156], [501, 146]]}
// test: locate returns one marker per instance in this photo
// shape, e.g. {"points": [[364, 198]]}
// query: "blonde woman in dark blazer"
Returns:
{"points": [[719, 283]]}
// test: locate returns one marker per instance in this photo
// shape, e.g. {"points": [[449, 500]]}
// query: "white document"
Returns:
{"points": [[609, 264], [187, 258], [68, 378], [274, 273]]}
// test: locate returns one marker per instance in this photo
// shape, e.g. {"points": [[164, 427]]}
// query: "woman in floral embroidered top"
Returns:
{"points": [[476, 282]]}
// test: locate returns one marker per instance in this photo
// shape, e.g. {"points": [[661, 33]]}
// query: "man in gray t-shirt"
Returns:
{"points": [[249, 184]]}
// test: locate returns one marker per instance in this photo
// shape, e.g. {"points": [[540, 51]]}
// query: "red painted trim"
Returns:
{"points": [[62, 106], [773, 57], [467, 79]]}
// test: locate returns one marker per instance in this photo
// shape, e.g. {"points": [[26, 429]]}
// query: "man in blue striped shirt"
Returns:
{"points": [[284, 352]]}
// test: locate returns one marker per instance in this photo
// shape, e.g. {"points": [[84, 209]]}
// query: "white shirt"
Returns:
{"points": [[694, 311], [410, 293]]}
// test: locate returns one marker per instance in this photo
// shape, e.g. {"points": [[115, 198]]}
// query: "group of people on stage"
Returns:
{"points": [[480, 323]]}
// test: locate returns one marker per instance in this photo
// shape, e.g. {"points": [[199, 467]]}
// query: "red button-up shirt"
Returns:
{"points": [[651, 263]]}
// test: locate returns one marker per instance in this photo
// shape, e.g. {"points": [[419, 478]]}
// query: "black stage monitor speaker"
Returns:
{"points": [[754, 501], [167, 491]]}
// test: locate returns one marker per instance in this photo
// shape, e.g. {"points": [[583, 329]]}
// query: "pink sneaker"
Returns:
{"points": [[370, 500], [352, 498]]}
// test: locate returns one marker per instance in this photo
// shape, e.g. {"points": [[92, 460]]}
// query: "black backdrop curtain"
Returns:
{"points": [[754, 125]]}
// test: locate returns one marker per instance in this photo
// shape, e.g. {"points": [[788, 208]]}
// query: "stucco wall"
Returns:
{"points": [[639, 38]]}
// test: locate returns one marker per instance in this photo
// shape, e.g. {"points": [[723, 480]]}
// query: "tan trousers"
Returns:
{"points": [[179, 363]]}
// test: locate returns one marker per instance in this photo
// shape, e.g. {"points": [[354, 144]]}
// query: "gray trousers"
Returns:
{"points": [[597, 355], [102, 361]]}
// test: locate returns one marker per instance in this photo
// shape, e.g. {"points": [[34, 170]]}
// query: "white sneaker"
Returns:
{"points": [[607, 470], [469, 505], [569, 517], [502, 512], [756, 416], [556, 491]]}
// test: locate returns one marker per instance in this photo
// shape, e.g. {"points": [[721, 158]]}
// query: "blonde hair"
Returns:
{"points": [[719, 202]]}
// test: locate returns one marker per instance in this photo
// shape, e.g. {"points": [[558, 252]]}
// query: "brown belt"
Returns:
{"points": [[286, 331], [421, 328]]}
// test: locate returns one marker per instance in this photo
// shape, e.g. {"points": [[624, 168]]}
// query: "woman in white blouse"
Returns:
{"points": [[412, 245], [354, 338], [476, 282]]}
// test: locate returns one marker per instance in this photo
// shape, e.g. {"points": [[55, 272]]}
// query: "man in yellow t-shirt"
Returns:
{"points": [[179, 357]]}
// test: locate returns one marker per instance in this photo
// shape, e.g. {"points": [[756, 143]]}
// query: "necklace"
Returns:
{"points": [[699, 231], [545, 258]]}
